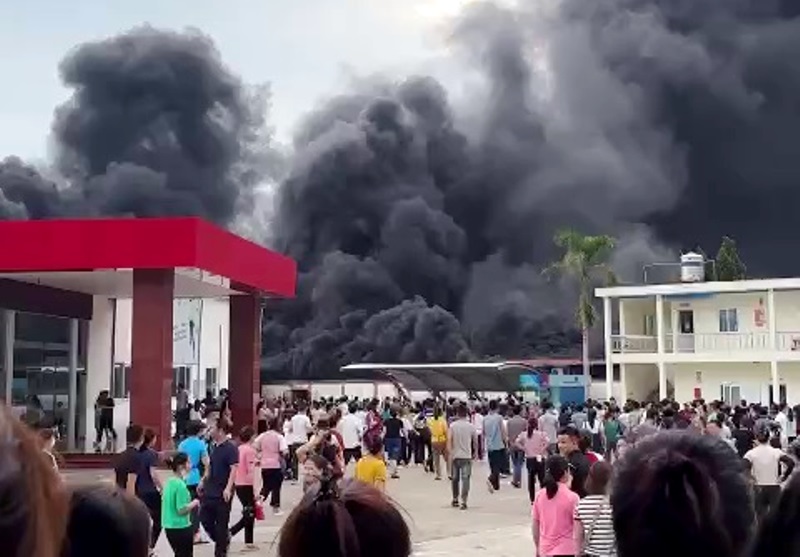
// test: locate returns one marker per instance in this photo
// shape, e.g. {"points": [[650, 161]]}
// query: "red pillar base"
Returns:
{"points": [[151, 352], [244, 358]]}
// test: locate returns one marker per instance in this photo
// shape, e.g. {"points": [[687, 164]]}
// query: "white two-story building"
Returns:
{"points": [[712, 340]]}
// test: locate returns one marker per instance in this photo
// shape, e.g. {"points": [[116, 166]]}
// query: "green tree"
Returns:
{"points": [[585, 259], [728, 265]]}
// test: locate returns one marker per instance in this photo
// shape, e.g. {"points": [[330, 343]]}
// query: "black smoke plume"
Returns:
{"points": [[156, 126]]}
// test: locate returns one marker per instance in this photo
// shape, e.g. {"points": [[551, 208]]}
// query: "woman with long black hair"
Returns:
{"points": [[534, 443], [554, 511]]}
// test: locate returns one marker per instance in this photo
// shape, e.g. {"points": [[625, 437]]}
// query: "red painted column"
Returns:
{"points": [[151, 351], [244, 358]]}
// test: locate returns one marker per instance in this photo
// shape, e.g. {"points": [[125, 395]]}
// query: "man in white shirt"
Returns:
{"points": [[297, 435], [765, 465], [351, 430]]}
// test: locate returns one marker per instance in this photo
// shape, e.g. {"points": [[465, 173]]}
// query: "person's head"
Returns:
{"points": [[676, 493], [180, 386], [195, 428], [134, 435], [323, 423], [714, 427], [374, 445], [533, 425], [222, 430], [568, 440], [179, 463], [516, 409], [149, 438], [274, 424], [599, 479], [557, 470], [33, 502], [316, 465], [461, 411], [246, 434], [437, 412], [355, 520], [493, 405], [763, 435], [104, 521]]}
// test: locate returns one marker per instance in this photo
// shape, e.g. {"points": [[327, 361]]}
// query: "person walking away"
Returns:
{"points": [[408, 432], [217, 488], [462, 442], [569, 443], [553, 511], [612, 431], [181, 411], [127, 462], [496, 441], [594, 527], [548, 425], [392, 441], [177, 506], [516, 426], [244, 485], [148, 484], [196, 450], [371, 468], [299, 431], [765, 464], [595, 428], [579, 417], [534, 445], [438, 427], [351, 431], [273, 448], [477, 421]]}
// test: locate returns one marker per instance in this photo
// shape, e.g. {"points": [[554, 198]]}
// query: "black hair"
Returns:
{"points": [[176, 460], [134, 434], [591, 416], [555, 469], [194, 427], [676, 493]]}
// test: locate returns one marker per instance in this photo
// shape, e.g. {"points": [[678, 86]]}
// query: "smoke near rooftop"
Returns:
{"points": [[421, 223]]}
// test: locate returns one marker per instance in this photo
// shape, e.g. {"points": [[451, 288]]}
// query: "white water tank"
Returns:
{"points": [[693, 267]]}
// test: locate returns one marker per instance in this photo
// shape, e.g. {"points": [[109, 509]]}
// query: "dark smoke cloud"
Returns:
{"points": [[156, 126], [666, 123]]}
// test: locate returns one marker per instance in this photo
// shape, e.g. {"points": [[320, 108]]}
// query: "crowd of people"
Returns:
{"points": [[603, 479]]}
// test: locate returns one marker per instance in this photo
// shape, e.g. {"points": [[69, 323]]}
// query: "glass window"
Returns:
{"points": [[120, 381], [728, 321], [181, 375], [649, 325], [211, 380]]}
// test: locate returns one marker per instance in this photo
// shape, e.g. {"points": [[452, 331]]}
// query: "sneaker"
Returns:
{"points": [[277, 512], [454, 503], [248, 547], [395, 477], [489, 486], [463, 506]]}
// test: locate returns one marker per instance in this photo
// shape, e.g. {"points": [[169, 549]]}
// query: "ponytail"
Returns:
{"points": [[556, 468], [550, 485]]}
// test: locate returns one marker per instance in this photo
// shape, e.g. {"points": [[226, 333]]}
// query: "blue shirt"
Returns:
{"points": [[224, 455], [493, 432], [195, 448]]}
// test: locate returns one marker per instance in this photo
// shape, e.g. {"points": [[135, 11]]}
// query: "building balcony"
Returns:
{"points": [[704, 343]]}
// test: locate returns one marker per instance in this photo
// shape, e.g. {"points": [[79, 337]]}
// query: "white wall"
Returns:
{"points": [[753, 378], [706, 311], [98, 367]]}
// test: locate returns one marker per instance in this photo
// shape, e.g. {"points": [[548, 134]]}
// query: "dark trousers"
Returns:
{"points": [[404, 452], [496, 466], [535, 473], [152, 500], [215, 514], [248, 521], [353, 453], [506, 469], [181, 540], [195, 514], [293, 462], [766, 497], [271, 482], [418, 448]]}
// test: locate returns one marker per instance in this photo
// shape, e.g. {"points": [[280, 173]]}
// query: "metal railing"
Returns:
{"points": [[627, 344], [703, 343]]}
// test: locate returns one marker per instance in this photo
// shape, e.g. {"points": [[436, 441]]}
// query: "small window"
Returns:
{"points": [[120, 381], [181, 376], [211, 380], [730, 394], [649, 325], [728, 321]]}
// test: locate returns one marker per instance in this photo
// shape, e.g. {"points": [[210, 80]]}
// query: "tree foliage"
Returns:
{"points": [[728, 265]]}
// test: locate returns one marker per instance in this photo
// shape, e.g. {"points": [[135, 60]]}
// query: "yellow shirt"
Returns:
{"points": [[371, 470], [438, 427]]}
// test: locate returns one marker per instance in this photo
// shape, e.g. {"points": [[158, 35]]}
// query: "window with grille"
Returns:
{"points": [[728, 321]]}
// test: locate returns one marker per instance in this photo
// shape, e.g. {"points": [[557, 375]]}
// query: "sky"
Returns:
{"points": [[305, 49]]}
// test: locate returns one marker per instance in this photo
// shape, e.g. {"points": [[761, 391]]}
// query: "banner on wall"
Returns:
{"points": [[187, 314]]}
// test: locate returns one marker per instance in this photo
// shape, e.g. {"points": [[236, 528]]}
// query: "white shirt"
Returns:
{"points": [[765, 461], [299, 428], [350, 429], [477, 421], [782, 420], [362, 418]]}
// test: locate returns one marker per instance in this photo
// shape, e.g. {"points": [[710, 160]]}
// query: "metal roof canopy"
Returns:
{"points": [[482, 376]]}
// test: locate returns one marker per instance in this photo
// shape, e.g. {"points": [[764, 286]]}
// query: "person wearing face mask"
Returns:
{"points": [[176, 507]]}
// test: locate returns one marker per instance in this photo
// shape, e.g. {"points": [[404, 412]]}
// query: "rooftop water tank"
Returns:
{"points": [[693, 267]]}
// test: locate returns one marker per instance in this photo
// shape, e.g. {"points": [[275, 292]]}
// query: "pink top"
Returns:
{"points": [[245, 472], [271, 444], [556, 521], [535, 445]]}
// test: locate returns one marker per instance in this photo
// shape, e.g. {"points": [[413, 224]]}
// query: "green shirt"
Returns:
{"points": [[175, 497]]}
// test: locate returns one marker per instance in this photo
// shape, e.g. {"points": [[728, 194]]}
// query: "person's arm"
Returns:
{"points": [[504, 429], [535, 532], [380, 478], [579, 536], [302, 452], [228, 493], [153, 473], [130, 484], [519, 442], [184, 502], [788, 465]]}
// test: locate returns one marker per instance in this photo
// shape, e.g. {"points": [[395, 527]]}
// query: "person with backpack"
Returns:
{"points": [[612, 431]]}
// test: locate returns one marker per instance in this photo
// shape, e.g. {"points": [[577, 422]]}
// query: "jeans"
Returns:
{"points": [[248, 521], [517, 460], [215, 514], [462, 472], [495, 467], [271, 482], [535, 473], [181, 540], [294, 464], [393, 447]]}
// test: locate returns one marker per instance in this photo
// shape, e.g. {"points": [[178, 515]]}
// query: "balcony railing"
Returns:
{"points": [[636, 344], [704, 343]]}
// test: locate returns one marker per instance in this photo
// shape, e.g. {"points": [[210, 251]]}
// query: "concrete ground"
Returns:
{"points": [[495, 524]]}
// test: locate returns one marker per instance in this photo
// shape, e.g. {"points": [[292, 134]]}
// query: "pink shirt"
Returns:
{"points": [[271, 444], [535, 445], [556, 521], [245, 472]]}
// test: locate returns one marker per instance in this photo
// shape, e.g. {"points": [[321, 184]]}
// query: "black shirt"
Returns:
{"points": [[580, 471], [127, 462], [394, 427], [222, 458]]}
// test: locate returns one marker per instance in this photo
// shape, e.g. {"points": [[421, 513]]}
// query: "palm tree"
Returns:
{"points": [[586, 260]]}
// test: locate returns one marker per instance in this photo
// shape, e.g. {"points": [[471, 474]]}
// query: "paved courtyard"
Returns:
{"points": [[496, 524]]}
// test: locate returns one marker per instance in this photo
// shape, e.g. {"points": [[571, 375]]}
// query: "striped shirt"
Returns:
{"points": [[594, 514]]}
